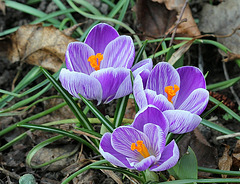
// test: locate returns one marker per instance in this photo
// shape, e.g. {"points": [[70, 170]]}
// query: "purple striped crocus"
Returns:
{"points": [[180, 93], [141, 145], [99, 68]]}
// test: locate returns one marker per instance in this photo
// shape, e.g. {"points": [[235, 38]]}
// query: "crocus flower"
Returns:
{"points": [[180, 93], [99, 68], [141, 145]]}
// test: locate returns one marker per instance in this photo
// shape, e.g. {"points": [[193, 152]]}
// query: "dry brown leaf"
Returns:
{"points": [[172, 4], [222, 20], [236, 156], [225, 162], [154, 19], [38, 45], [46, 154], [205, 153], [178, 54], [190, 27], [158, 17]]}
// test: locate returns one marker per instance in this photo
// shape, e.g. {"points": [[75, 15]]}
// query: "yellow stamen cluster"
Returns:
{"points": [[95, 61], [171, 92], [141, 148]]}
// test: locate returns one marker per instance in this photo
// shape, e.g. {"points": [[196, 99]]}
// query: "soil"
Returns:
{"points": [[13, 163]]}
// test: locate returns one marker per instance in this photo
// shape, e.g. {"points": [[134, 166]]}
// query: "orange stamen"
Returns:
{"points": [[141, 148], [171, 92], [95, 61]]}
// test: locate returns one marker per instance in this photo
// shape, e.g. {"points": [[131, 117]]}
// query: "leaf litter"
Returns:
{"points": [[158, 17], [222, 20], [37, 45], [24, 53]]}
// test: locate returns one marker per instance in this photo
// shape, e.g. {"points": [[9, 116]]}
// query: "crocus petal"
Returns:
{"points": [[139, 93], [191, 78], [143, 164], [169, 158], [119, 53], [182, 121], [157, 139], [100, 36], [162, 103], [196, 102], [110, 79], [77, 55], [122, 139], [79, 83], [163, 75], [145, 64], [124, 89], [150, 95], [112, 155], [150, 114]]}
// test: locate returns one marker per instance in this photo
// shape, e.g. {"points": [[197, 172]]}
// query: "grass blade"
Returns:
{"points": [[224, 107], [98, 114], [59, 131], [120, 111], [69, 100]]}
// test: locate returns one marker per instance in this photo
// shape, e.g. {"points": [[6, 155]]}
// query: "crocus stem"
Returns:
{"points": [[150, 176]]}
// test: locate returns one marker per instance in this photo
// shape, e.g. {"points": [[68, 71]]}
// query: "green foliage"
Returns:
{"points": [[227, 117], [186, 168]]}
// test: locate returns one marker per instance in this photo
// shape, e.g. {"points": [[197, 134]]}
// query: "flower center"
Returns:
{"points": [[141, 148], [171, 92], [95, 61]]}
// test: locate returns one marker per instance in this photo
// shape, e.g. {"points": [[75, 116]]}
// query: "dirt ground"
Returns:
{"points": [[203, 140]]}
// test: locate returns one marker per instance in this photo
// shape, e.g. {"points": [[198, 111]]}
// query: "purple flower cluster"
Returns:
{"points": [[170, 100], [99, 69], [179, 93], [141, 145]]}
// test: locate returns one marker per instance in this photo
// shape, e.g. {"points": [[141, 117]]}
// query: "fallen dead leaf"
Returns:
{"points": [[222, 20], [89, 176], [205, 153], [46, 154], [225, 162], [37, 45], [159, 17], [180, 52], [154, 19], [236, 156], [188, 28]]}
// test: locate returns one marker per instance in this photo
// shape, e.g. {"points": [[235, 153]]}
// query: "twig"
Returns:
{"points": [[228, 136], [8, 173], [228, 35], [17, 75], [85, 134], [165, 36], [178, 21], [231, 87]]}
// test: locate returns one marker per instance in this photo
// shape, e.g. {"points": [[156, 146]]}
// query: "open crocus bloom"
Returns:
{"points": [[180, 93], [99, 68], [141, 145]]}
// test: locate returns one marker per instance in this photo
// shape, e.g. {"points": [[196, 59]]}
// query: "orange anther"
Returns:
{"points": [[95, 61], [171, 92], [141, 148]]}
